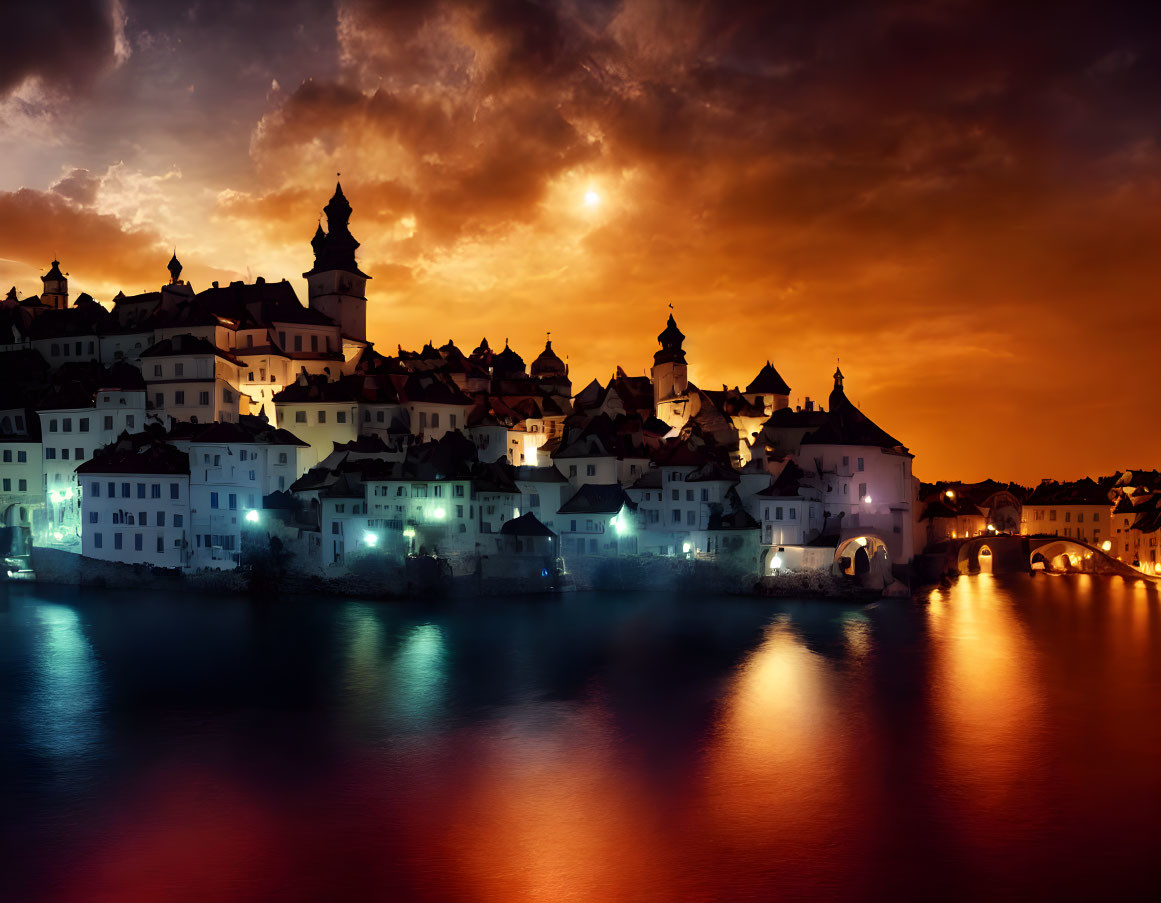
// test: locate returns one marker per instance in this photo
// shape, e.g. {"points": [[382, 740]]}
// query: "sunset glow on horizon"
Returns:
{"points": [[962, 202]]}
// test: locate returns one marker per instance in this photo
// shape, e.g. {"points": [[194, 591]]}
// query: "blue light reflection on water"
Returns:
{"points": [[585, 747]]}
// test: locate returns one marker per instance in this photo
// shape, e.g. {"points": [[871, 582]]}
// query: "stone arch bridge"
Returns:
{"points": [[1006, 554]]}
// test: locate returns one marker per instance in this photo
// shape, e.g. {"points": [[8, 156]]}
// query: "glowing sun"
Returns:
{"points": [[592, 198]]}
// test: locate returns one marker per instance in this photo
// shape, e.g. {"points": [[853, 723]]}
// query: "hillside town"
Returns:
{"points": [[176, 428]]}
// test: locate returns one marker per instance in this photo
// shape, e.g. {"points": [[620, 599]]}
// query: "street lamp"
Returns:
{"points": [[370, 538], [252, 516]]}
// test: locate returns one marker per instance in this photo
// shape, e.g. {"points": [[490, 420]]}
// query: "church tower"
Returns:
{"points": [[336, 286], [56, 288], [670, 383]]}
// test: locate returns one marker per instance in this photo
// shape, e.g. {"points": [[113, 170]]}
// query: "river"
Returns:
{"points": [[998, 740]]}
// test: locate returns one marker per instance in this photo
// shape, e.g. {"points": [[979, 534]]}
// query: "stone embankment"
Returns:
{"points": [[426, 577]]}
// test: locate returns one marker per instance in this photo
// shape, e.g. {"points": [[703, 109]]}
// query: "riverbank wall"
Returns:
{"points": [[424, 578]]}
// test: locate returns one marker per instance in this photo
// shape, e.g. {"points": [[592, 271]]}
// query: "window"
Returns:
{"points": [[322, 416], [452, 420], [49, 454], [116, 540], [859, 464], [95, 490], [98, 541], [677, 515], [203, 397], [689, 495], [300, 416], [22, 485], [846, 462], [178, 520], [1068, 517], [83, 424], [314, 343], [157, 369], [125, 490], [862, 490], [437, 492], [458, 491], [227, 396], [22, 457], [130, 420], [7, 456], [155, 491], [213, 500], [1052, 514], [1080, 517], [52, 426], [160, 518], [423, 420], [298, 343], [590, 470], [78, 454], [379, 418], [160, 544], [572, 470], [108, 422], [173, 490], [138, 542], [143, 518], [64, 454], [676, 494], [7, 485], [690, 518], [793, 513], [341, 417], [67, 425], [159, 399], [140, 490], [705, 495], [282, 338], [434, 420], [179, 397], [232, 501]]}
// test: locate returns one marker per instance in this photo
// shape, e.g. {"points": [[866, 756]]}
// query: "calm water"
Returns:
{"points": [[1001, 742]]}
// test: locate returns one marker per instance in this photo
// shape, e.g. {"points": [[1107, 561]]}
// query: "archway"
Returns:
{"points": [[985, 558], [856, 556]]}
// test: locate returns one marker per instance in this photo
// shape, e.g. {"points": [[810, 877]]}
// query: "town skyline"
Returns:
{"points": [[966, 227]]}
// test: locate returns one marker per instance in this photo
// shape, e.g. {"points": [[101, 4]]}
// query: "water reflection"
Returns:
{"points": [[598, 748], [62, 713]]}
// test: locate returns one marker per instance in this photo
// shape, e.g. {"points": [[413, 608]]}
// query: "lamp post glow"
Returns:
{"points": [[775, 563], [252, 516], [439, 514], [370, 539], [1106, 546]]}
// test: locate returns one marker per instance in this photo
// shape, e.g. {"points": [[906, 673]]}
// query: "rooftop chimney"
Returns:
{"points": [[809, 404]]}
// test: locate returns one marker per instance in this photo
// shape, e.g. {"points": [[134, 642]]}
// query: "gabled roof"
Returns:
{"points": [[847, 425], [526, 525], [140, 453], [597, 498], [186, 344], [768, 382], [1082, 492]]}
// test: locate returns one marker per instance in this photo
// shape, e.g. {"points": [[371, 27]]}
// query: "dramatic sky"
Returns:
{"points": [[961, 200]]}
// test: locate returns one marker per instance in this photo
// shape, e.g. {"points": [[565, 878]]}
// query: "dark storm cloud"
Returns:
{"points": [[63, 42]]}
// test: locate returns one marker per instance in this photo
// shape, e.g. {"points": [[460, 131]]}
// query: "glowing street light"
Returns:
{"points": [[409, 533], [685, 548], [370, 538], [439, 514], [1106, 545], [252, 516], [867, 499], [775, 563]]}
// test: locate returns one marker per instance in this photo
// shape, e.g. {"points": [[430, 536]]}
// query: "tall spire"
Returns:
{"points": [[837, 396], [174, 267], [335, 248], [671, 339]]}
